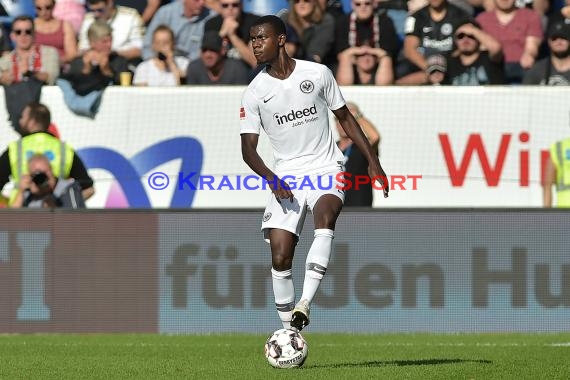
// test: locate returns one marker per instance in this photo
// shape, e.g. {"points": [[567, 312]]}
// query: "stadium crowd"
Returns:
{"points": [[390, 42]]}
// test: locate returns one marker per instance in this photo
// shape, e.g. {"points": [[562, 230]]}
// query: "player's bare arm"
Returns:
{"points": [[353, 130], [255, 162]]}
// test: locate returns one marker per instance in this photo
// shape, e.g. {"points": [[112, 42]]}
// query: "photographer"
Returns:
{"points": [[41, 188], [34, 124]]}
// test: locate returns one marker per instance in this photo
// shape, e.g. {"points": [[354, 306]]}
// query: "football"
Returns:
{"points": [[286, 348]]}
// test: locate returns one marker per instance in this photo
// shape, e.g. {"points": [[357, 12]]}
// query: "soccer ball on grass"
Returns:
{"points": [[286, 348]]}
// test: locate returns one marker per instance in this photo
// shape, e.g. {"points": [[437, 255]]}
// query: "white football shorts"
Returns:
{"points": [[290, 216]]}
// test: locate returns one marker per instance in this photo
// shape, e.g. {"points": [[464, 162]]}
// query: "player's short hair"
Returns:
{"points": [[276, 23]]}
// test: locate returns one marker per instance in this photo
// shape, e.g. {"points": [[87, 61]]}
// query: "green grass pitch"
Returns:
{"points": [[331, 357]]}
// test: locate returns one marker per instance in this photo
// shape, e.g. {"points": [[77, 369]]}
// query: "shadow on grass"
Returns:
{"points": [[399, 363]]}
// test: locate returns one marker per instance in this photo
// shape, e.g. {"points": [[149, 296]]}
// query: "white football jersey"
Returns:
{"points": [[294, 114]]}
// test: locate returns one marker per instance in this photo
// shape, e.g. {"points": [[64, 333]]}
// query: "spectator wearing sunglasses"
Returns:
{"points": [[233, 25], [478, 59], [553, 70], [364, 24], [213, 67], [127, 28], [28, 59], [54, 32], [365, 65]]}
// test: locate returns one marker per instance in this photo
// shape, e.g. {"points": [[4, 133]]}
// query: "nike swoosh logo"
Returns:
{"points": [[426, 29], [268, 99]]}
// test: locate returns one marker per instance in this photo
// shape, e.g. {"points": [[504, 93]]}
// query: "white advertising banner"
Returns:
{"points": [[441, 146]]}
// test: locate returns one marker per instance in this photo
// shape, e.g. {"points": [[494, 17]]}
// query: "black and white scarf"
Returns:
{"points": [[353, 39]]}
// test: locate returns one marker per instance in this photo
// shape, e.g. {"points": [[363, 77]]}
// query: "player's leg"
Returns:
{"points": [[282, 250], [325, 212], [282, 225]]}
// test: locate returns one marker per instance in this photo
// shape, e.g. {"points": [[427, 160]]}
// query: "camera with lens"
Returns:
{"points": [[40, 179]]}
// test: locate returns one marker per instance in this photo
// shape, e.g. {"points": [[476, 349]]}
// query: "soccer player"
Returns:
{"points": [[289, 99]]}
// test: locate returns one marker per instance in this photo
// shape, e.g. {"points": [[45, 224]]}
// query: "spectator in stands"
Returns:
{"points": [[65, 163], [436, 69], [314, 27], [557, 175], [478, 59], [429, 31], [363, 24], [354, 161], [28, 59], [364, 65], [233, 24], [146, 8], [41, 189], [88, 75], [187, 19], [213, 67], [165, 69], [126, 23], [72, 11], [555, 69], [520, 33], [562, 14], [51, 31]]}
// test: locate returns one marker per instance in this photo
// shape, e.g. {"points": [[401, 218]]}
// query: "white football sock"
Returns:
{"points": [[317, 262], [284, 293]]}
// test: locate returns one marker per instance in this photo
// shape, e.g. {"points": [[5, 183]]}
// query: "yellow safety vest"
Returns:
{"points": [[560, 155], [58, 152]]}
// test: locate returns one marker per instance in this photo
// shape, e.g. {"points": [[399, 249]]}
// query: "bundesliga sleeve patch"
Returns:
{"points": [[241, 113]]}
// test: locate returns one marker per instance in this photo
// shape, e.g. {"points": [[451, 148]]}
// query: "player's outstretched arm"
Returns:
{"points": [[255, 162], [354, 131]]}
